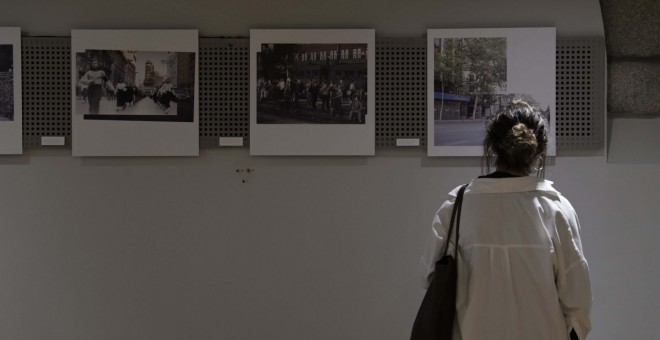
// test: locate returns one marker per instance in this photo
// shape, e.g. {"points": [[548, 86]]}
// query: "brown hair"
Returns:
{"points": [[517, 135]]}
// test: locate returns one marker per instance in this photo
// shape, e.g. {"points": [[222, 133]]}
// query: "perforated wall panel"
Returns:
{"points": [[400, 90], [580, 91], [46, 78], [223, 90]]}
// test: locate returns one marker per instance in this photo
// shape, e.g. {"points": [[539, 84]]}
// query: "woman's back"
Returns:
{"points": [[521, 270], [515, 237]]}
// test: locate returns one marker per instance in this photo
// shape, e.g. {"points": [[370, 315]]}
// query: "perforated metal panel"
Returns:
{"points": [[46, 64], [580, 91], [400, 90], [223, 90]]}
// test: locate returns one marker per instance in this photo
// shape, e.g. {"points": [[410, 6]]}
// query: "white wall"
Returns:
{"points": [[310, 248]]}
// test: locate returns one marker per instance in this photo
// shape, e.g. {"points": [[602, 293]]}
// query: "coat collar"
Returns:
{"points": [[504, 185]]}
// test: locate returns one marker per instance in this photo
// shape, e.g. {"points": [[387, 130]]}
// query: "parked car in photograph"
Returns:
{"points": [[181, 95]]}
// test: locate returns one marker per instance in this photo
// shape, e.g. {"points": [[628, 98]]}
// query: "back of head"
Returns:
{"points": [[517, 136]]}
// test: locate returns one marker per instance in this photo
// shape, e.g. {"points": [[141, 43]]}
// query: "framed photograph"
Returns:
{"points": [[474, 72], [11, 117], [134, 92], [312, 92]]}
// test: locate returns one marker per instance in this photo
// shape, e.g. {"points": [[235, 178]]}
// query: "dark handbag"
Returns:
{"points": [[435, 318]]}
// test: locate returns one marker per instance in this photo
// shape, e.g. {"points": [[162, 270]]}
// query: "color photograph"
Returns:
{"points": [[472, 73]]}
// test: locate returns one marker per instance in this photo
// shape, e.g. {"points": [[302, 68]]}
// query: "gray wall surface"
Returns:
{"points": [[632, 35], [310, 247]]}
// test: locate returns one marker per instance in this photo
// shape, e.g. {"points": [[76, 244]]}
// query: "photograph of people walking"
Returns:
{"points": [[473, 73], [135, 85], [134, 92], [312, 84]]}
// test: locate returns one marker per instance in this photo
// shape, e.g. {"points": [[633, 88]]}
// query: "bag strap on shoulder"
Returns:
{"points": [[455, 217]]}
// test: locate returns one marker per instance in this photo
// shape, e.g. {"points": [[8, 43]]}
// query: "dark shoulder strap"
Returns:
{"points": [[455, 217]]}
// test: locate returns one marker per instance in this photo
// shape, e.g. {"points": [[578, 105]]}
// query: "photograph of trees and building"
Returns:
{"points": [[6, 82], [311, 83], [470, 83], [135, 85]]}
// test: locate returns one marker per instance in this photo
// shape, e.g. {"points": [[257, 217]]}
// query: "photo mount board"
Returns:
{"points": [[530, 70], [134, 138], [11, 131], [313, 139]]}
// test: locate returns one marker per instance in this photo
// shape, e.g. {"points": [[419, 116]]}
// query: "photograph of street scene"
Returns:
{"points": [[311, 84], [6, 82], [470, 83], [135, 85]]}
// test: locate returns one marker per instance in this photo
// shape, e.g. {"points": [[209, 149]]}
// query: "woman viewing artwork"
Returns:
{"points": [[522, 273]]}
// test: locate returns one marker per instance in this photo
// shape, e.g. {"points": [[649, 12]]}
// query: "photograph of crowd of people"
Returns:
{"points": [[135, 85], [312, 84], [6, 82]]}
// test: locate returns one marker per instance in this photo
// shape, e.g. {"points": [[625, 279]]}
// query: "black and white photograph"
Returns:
{"points": [[6, 82], [135, 92], [472, 73], [136, 85], [312, 84], [11, 122], [311, 92]]}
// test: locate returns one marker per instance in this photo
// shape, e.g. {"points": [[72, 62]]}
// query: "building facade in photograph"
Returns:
{"points": [[118, 65], [315, 62]]}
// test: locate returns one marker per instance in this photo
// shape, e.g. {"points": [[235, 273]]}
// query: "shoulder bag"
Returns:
{"points": [[435, 318]]}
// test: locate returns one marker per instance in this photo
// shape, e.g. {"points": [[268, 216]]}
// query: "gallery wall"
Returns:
{"points": [[296, 247]]}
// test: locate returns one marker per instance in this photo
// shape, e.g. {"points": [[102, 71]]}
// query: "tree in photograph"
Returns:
{"points": [[449, 64], [485, 60]]}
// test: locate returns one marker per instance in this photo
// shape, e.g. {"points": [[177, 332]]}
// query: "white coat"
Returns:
{"points": [[521, 271]]}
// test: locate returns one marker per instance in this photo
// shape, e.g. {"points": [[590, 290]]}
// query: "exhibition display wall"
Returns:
{"points": [[228, 245], [400, 92]]}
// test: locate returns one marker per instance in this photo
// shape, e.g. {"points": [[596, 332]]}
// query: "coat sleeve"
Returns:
{"points": [[572, 275], [436, 241]]}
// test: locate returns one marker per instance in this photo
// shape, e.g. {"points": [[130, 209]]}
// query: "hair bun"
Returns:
{"points": [[521, 139]]}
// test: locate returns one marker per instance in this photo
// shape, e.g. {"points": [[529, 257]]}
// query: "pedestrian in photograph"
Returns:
{"points": [[121, 90], [522, 273], [336, 101], [325, 96], [83, 92], [356, 108], [95, 78], [314, 89], [165, 94]]}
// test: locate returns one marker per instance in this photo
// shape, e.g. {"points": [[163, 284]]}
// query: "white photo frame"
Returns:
{"points": [[455, 125], [118, 136], [349, 129], [11, 106]]}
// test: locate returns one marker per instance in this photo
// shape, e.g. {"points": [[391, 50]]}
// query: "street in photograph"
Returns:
{"points": [[470, 80], [135, 85], [311, 84], [465, 131], [6, 82]]}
